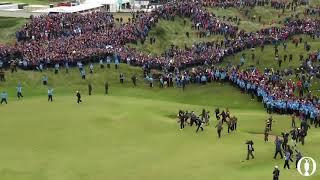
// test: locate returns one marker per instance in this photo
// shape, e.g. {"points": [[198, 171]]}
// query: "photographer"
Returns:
{"points": [[285, 140]]}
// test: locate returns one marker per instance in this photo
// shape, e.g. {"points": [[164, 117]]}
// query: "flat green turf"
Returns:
{"points": [[132, 133]]}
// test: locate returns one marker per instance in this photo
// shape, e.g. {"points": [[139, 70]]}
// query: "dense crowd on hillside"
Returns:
{"points": [[74, 38], [58, 25], [68, 37]]}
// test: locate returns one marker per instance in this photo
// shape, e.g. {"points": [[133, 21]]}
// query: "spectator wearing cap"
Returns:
{"points": [[276, 173]]}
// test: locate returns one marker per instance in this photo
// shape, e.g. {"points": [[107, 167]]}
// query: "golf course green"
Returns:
{"points": [[132, 133]]}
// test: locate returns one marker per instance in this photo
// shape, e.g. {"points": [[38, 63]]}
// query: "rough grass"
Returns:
{"points": [[131, 133], [315, 3], [169, 33], [266, 57], [245, 23], [8, 27], [124, 16], [269, 16]]}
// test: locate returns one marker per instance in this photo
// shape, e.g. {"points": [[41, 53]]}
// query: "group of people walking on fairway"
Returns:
{"points": [[190, 118], [50, 90], [284, 147], [184, 118]]}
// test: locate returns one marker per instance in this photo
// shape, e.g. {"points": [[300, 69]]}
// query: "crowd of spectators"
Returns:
{"points": [[63, 25], [74, 38], [269, 86]]}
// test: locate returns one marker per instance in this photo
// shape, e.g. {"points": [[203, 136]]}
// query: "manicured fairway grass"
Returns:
{"points": [[132, 133]]}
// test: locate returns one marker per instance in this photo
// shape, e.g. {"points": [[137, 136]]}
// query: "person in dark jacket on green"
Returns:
{"points": [[276, 173], [106, 87], [90, 89]]}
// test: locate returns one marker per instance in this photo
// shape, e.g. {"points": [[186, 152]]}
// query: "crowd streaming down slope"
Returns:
{"points": [[86, 37], [269, 86], [71, 38]]}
